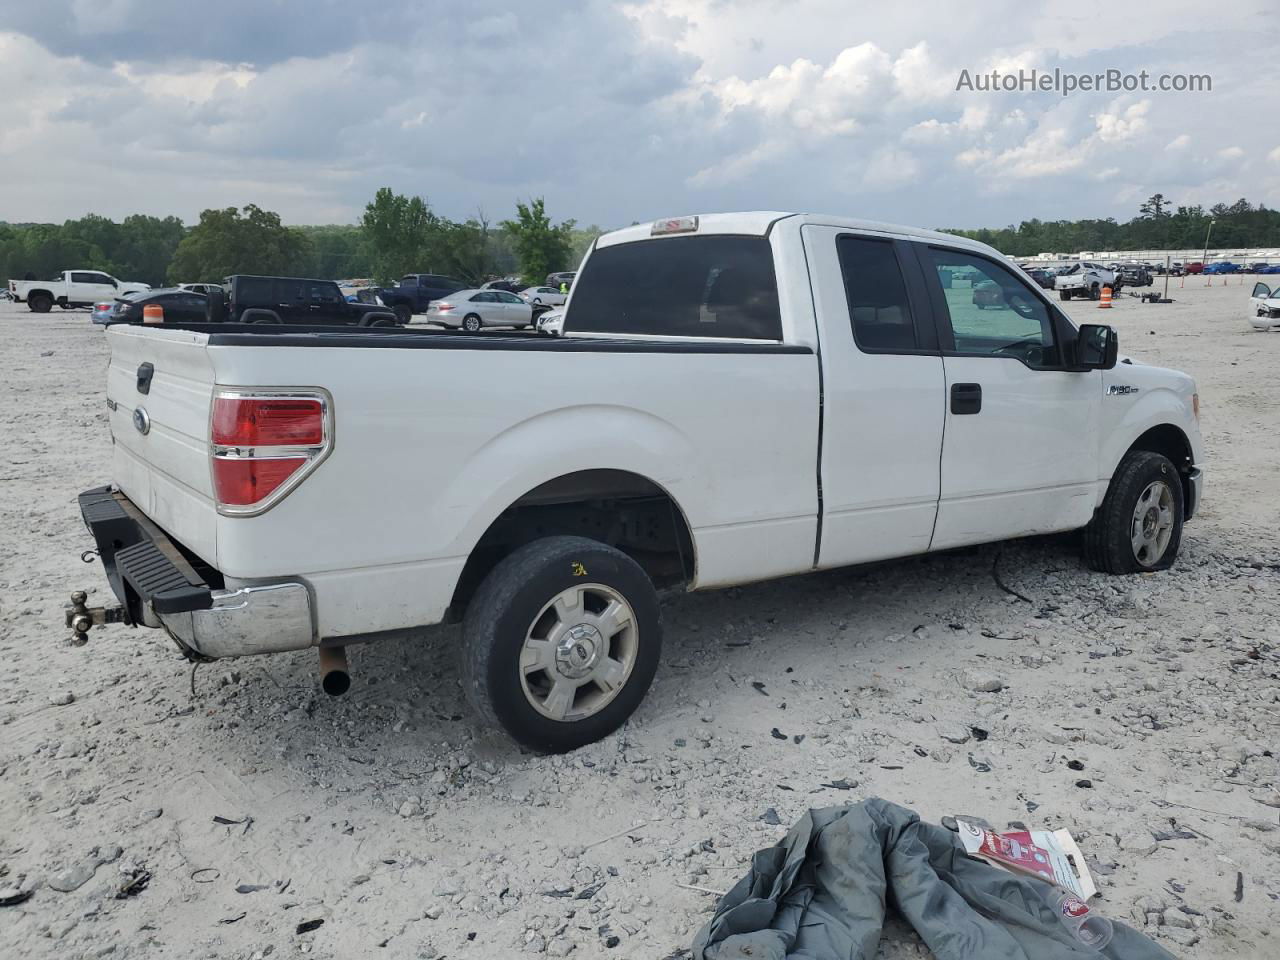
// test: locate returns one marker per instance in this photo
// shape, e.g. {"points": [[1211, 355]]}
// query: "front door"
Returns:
{"points": [[882, 397], [1258, 300], [1020, 450]]}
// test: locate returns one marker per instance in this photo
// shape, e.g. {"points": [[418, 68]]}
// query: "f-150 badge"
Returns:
{"points": [[1120, 390]]}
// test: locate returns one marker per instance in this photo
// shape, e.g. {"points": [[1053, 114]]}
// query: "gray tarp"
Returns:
{"points": [[820, 894]]}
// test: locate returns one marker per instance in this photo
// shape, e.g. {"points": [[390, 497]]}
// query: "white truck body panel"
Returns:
{"points": [[76, 287], [813, 454]]}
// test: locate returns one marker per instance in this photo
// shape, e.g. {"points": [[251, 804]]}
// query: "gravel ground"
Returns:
{"points": [[1139, 712]]}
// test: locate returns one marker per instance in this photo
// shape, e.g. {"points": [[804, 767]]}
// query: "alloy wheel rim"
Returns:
{"points": [[579, 652], [1152, 526]]}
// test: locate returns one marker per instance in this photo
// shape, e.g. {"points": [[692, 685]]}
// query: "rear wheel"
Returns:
{"points": [[1064, 294], [561, 642], [403, 314], [39, 303], [471, 323], [1139, 526]]}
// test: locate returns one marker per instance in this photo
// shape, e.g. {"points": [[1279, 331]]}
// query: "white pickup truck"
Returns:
{"points": [[1085, 279], [736, 397], [74, 288]]}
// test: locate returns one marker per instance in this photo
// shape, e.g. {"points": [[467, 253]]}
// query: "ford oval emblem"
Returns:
{"points": [[141, 420]]}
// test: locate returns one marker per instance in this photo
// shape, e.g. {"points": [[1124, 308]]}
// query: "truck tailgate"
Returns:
{"points": [[160, 389]]}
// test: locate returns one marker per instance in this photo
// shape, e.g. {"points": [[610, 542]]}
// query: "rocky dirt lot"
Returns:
{"points": [[245, 814]]}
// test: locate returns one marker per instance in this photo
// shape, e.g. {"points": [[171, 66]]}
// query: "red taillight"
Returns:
{"points": [[262, 444], [443, 306], [267, 421], [240, 482]]}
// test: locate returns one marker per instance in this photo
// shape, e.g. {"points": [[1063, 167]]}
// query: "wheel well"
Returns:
{"points": [[622, 509], [1171, 442], [37, 293]]}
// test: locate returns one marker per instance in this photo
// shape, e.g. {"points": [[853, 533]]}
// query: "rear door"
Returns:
{"points": [[882, 397], [1020, 454], [159, 393], [293, 300], [326, 304]]}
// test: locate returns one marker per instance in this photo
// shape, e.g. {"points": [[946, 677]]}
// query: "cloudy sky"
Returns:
{"points": [[628, 111]]}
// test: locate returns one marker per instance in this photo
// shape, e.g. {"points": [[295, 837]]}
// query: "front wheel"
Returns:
{"points": [[1138, 528], [1064, 294], [1095, 292], [561, 642], [404, 315]]}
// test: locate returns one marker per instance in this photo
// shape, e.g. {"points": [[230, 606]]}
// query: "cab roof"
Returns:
{"points": [[761, 222]]}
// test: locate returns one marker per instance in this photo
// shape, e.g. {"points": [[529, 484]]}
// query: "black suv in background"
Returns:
{"points": [[413, 294], [248, 299]]}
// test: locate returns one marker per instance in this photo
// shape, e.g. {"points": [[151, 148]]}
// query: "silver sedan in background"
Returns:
{"points": [[470, 310]]}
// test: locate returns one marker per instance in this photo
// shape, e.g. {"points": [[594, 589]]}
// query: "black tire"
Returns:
{"points": [[259, 315], [505, 608], [1095, 292], [404, 315], [472, 323], [1064, 294], [39, 303], [380, 319], [1108, 546]]}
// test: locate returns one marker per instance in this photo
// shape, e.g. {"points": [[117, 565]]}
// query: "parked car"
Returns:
{"points": [[1193, 267], [73, 288], [1273, 268], [551, 322], [538, 295], [1135, 275], [1264, 303], [276, 300], [566, 277], [204, 288], [1225, 266], [670, 441], [509, 284], [179, 305], [1042, 277], [413, 294], [1084, 279], [987, 294], [472, 310]]}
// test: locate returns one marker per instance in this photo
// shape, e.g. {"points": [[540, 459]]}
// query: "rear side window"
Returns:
{"points": [[254, 291], [879, 310], [709, 286]]}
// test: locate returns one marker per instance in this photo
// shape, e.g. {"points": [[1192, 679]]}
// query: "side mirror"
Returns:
{"points": [[1097, 347]]}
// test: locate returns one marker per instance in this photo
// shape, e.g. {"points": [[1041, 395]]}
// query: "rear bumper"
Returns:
{"points": [[159, 586]]}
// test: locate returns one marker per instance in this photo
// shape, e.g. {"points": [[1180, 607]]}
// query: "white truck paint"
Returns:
{"points": [[74, 288], [774, 455], [1084, 279]]}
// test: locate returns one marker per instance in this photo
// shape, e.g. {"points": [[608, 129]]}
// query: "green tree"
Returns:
{"points": [[466, 249], [228, 241], [1155, 207], [401, 233], [540, 247]]}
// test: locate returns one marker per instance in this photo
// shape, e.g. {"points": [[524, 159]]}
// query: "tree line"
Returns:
{"points": [[396, 235], [400, 234], [1159, 225]]}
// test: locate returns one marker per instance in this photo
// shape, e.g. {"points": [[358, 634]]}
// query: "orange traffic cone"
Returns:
{"points": [[153, 313], [1105, 302]]}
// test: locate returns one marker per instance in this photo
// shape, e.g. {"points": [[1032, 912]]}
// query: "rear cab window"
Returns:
{"points": [[714, 285]]}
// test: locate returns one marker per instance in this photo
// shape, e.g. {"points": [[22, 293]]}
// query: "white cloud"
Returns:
{"points": [[1178, 142], [889, 167], [1231, 153], [1125, 125]]}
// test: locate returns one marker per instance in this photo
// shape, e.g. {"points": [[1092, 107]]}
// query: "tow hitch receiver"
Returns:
{"points": [[81, 618]]}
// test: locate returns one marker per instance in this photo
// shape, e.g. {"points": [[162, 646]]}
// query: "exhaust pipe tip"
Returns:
{"points": [[335, 680]]}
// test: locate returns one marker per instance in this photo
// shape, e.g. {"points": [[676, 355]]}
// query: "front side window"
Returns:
{"points": [[325, 293], [879, 310], [992, 311], [701, 286], [506, 297]]}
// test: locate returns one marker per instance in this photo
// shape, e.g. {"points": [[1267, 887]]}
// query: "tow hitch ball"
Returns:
{"points": [[81, 618]]}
